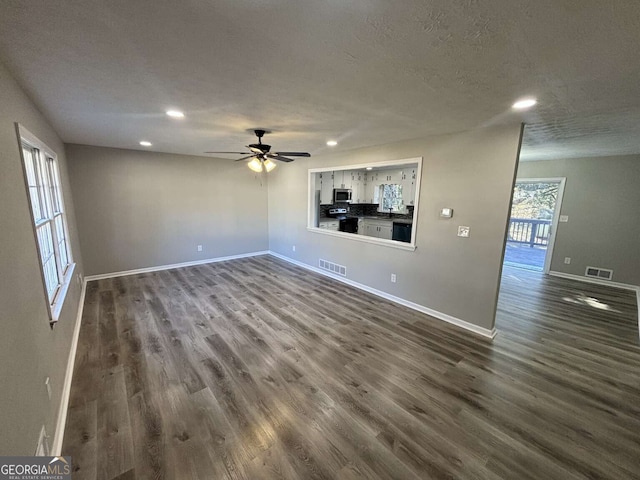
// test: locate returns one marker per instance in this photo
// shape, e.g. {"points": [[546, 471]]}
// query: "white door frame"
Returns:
{"points": [[556, 214]]}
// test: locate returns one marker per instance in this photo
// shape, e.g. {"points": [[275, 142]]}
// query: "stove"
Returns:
{"points": [[347, 224]]}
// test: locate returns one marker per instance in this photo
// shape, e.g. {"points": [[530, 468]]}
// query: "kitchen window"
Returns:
{"points": [[42, 180]]}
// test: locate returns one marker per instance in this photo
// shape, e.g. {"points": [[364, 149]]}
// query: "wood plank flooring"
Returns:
{"points": [[257, 369]]}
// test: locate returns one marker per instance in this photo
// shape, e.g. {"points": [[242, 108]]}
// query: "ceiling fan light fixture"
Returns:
{"points": [[269, 165], [255, 165]]}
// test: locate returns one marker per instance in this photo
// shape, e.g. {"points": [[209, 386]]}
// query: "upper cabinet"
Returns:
{"points": [[366, 184], [408, 183], [326, 187]]}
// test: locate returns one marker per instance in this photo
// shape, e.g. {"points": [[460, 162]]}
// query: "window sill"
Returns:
{"points": [[363, 238], [56, 309]]}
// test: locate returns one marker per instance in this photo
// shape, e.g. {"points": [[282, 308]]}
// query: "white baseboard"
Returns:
{"points": [[485, 332], [598, 281], [638, 305], [174, 265], [58, 436]]}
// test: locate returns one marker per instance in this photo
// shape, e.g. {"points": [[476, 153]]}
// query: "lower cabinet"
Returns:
{"points": [[332, 225], [378, 229]]}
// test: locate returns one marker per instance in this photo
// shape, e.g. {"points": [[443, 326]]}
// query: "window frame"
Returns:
{"points": [[312, 210], [52, 212]]}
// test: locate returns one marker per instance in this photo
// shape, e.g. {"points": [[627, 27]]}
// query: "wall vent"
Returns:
{"points": [[332, 267], [601, 273]]}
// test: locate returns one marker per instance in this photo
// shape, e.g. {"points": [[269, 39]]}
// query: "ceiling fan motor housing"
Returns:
{"points": [[263, 147]]}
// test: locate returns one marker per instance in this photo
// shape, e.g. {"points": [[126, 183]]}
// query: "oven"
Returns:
{"points": [[349, 225]]}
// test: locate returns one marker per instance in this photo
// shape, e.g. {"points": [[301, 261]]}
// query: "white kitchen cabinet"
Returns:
{"points": [[371, 187], [326, 188], [357, 186], [386, 231], [408, 183], [390, 176], [378, 228], [330, 225], [341, 178]]}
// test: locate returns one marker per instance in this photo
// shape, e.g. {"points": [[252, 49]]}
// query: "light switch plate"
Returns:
{"points": [[446, 212], [463, 231], [564, 218]]}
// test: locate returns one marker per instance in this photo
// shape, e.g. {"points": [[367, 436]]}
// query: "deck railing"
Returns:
{"points": [[528, 231]]}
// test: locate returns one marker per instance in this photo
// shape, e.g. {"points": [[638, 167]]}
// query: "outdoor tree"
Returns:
{"points": [[534, 200]]}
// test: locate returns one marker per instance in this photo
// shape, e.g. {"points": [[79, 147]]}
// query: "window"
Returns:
{"points": [[42, 180], [380, 205], [391, 198]]}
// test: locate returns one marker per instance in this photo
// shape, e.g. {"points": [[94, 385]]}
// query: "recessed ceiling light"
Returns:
{"points": [[175, 114], [144, 143], [524, 103], [369, 168], [332, 143]]}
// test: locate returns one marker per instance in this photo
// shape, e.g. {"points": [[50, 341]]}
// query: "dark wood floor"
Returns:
{"points": [[257, 369]]}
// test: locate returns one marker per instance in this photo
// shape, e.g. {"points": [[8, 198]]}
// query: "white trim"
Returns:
{"points": [[385, 163], [58, 437], [312, 208], [174, 265], [61, 294], [561, 181], [485, 332], [364, 238], [638, 305], [571, 276]]}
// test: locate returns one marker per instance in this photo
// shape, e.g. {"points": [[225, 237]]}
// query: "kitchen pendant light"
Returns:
{"points": [[255, 165]]}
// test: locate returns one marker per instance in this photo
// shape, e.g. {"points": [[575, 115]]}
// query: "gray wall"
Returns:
{"points": [[470, 172], [601, 198], [30, 351], [139, 209]]}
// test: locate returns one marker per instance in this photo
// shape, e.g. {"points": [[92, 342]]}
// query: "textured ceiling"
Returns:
{"points": [[364, 72]]}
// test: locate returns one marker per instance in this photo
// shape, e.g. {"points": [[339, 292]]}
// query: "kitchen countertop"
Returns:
{"points": [[406, 221]]}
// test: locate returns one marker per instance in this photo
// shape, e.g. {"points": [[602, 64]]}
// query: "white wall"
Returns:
{"points": [[30, 351], [601, 198], [471, 172]]}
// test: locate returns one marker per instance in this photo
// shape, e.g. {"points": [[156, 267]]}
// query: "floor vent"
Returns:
{"points": [[601, 273], [333, 267]]}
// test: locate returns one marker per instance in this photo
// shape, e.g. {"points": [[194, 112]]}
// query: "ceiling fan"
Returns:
{"points": [[262, 156]]}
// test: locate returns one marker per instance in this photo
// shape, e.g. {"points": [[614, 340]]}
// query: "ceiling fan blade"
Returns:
{"points": [[231, 153], [275, 156], [244, 158], [294, 154]]}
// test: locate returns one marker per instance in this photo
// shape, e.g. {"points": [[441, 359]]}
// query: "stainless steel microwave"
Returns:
{"points": [[341, 195]]}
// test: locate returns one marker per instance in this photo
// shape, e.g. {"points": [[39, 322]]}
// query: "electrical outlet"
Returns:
{"points": [[393, 278], [564, 218], [463, 231], [567, 260], [294, 248], [199, 248]]}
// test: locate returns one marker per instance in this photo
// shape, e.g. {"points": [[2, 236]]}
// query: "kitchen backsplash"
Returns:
{"points": [[364, 210]]}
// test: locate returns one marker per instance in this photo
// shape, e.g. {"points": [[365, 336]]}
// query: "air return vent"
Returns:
{"points": [[601, 273], [332, 267]]}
